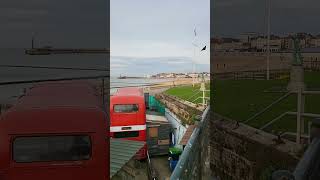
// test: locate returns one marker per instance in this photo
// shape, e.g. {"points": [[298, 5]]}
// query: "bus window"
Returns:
{"points": [[126, 108], [126, 134], [51, 148]]}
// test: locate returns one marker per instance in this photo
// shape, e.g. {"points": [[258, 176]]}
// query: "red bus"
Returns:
{"points": [[55, 132], [128, 117]]}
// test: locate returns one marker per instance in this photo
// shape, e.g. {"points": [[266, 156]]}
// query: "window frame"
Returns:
{"points": [[133, 112], [13, 139]]}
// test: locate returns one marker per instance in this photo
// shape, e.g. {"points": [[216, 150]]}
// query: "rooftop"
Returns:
{"points": [[121, 152]]}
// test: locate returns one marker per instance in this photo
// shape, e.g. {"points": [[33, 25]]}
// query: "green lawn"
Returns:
{"points": [[189, 93], [240, 99]]}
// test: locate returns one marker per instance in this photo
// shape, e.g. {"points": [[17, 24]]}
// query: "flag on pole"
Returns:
{"points": [[204, 48]]}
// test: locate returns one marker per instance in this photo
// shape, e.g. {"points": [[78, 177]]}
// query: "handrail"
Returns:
{"points": [[308, 167], [186, 154], [54, 79]]}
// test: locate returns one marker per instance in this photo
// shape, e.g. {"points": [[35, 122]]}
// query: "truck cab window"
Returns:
{"points": [[51, 148], [126, 108]]}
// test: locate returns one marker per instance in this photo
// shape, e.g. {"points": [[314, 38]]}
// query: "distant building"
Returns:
{"points": [[247, 36], [315, 42], [287, 43], [252, 42], [170, 75], [193, 75], [181, 75], [260, 43], [227, 45]]}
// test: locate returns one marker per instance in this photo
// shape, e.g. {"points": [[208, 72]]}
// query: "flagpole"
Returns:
{"points": [[194, 58], [195, 46], [268, 40], [193, 65]]}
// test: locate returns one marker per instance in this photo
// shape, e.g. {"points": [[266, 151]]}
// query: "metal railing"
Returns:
{"points": [[190, 162], [252, 75], [308, 167]]}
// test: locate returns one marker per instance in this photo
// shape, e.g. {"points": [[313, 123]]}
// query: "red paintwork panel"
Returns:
{"points": [[56, 111]]}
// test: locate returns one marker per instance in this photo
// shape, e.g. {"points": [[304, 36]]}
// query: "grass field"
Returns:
{"points": [[241, 99], [189, 93]]}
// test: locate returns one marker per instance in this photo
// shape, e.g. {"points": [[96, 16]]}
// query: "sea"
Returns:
{"points": [[17, 57]]}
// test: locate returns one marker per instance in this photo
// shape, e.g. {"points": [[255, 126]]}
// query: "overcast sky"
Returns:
{"points": [[147, 36], [231, 17], [152, 36], [59, 23]]}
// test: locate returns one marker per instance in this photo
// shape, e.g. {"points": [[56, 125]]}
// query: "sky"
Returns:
{"points": [[231, 17], [147, 36], [58, 23], [152, 36]]}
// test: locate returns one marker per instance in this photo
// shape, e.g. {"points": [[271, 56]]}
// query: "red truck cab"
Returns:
{"points": [[54, 135]]}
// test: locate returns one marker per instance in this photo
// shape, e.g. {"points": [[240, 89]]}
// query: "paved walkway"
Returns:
{"points": [[161, 166]]}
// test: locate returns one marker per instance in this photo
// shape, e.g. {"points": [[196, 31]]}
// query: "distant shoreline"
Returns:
{"points": [[164, 78], [130, 77]]}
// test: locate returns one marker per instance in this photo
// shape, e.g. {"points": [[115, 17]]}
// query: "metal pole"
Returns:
{"points": [[194, 56], [203, 88], [303, 98], [298, 137], [268, 40], [203, 97], [32, 42], [193, 68]]}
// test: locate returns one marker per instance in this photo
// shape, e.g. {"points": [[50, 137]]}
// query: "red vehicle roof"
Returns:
{"points": [[129, 91], [56, 109], [51, 108]]}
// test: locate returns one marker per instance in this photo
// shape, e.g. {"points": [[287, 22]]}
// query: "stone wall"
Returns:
{"points": [[234, 151], [240, 152], [184, 110]]}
